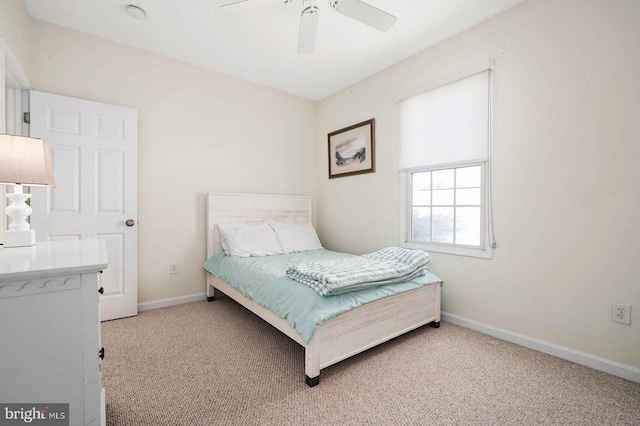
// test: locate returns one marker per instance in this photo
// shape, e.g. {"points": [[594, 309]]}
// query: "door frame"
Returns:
{"points": [[11, 73]]}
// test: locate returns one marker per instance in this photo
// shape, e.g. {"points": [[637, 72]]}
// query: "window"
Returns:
{"points": [[446, 206], [445, 135]]}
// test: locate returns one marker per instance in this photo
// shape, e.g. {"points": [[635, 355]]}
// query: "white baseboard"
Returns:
{"points": [[601, 364], [163, 303]]}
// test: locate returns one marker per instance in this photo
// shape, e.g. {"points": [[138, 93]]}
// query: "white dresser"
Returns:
{"points": [[50, 328]]}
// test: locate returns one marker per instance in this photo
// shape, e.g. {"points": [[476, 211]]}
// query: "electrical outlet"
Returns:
{"points": [[173, 267], [621, 313]]}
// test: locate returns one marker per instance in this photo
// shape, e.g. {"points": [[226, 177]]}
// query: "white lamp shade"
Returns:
{"points": [[25, 161]]}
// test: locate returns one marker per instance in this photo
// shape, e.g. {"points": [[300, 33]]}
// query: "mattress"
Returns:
{"points": [[263, 280]]}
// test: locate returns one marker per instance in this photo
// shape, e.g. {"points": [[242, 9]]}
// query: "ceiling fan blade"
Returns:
{"points": [[308, 29], [365, 13]]}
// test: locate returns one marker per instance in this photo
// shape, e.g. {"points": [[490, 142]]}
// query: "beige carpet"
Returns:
{"points": [[218, 364]]}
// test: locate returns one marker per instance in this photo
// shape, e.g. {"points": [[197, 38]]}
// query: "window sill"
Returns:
{"points": [[486, 253]]}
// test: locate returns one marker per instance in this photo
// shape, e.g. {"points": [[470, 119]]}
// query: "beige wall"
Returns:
{"points": [[15, 28], [567, 174], [199, 131]]}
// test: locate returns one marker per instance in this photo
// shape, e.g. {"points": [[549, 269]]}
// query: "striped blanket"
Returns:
{"points": [[391, 264]]}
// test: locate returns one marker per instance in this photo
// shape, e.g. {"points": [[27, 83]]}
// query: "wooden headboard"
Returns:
{"points": [[250, 208]]}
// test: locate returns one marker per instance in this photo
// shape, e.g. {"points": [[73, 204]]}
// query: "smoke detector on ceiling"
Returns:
{"points": [[136, 12]]}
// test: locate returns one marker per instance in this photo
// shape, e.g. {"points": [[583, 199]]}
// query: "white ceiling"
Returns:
{"points": [[260, 45]]}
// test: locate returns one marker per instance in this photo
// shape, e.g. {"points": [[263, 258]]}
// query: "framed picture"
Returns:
{"points": [[352, 150]]}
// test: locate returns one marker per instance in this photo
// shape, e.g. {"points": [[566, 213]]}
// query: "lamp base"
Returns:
{"points": [[19, 238], [19, 233]]}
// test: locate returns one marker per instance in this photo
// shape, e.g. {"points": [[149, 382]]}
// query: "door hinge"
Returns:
{"points": [[26, 117]]}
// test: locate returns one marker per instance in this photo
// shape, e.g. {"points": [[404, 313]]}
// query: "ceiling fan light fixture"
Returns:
{"points": [[136, 12]]}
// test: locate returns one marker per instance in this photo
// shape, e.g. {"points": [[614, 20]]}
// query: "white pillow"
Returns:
{"points": [[296, 237], [242, 240]]}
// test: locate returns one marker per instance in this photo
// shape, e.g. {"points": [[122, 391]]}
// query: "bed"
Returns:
{"points": [[343, 335]]}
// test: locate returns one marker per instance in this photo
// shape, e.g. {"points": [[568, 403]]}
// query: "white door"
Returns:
{"points": [[94, 150]]}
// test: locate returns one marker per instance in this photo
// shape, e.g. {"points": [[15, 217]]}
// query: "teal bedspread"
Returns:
{"points": [[264, 280]]}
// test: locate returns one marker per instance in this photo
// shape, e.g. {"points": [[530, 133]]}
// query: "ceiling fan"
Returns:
{"points": [[355, 9]]}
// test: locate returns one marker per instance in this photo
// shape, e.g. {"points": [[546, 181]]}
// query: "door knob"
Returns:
{"points": [[130, 222]]}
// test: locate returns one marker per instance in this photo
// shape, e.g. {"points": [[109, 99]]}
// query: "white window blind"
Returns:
{"points": [[448, 124]]}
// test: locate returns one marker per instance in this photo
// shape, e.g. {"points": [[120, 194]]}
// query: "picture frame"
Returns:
{"points": [[352, 150]]}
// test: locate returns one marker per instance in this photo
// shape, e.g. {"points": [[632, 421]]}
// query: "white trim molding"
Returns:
{"points": [[10, 71], [172, 301], [12, 75], [607, 366]]}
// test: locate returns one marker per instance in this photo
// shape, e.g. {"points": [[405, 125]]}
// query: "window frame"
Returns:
{"points": [[485, 249], [488, 240]]}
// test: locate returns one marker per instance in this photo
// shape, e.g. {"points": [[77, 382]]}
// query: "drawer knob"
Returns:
{"points": [[101, 353], [101, 290]]}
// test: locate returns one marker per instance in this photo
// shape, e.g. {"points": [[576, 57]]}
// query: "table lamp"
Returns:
{"points": [[23, 161]]}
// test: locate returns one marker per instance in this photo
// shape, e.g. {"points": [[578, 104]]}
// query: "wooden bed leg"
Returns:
{"points": [[211, 291], [312, 361], [436, 323], [311, 382]]}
